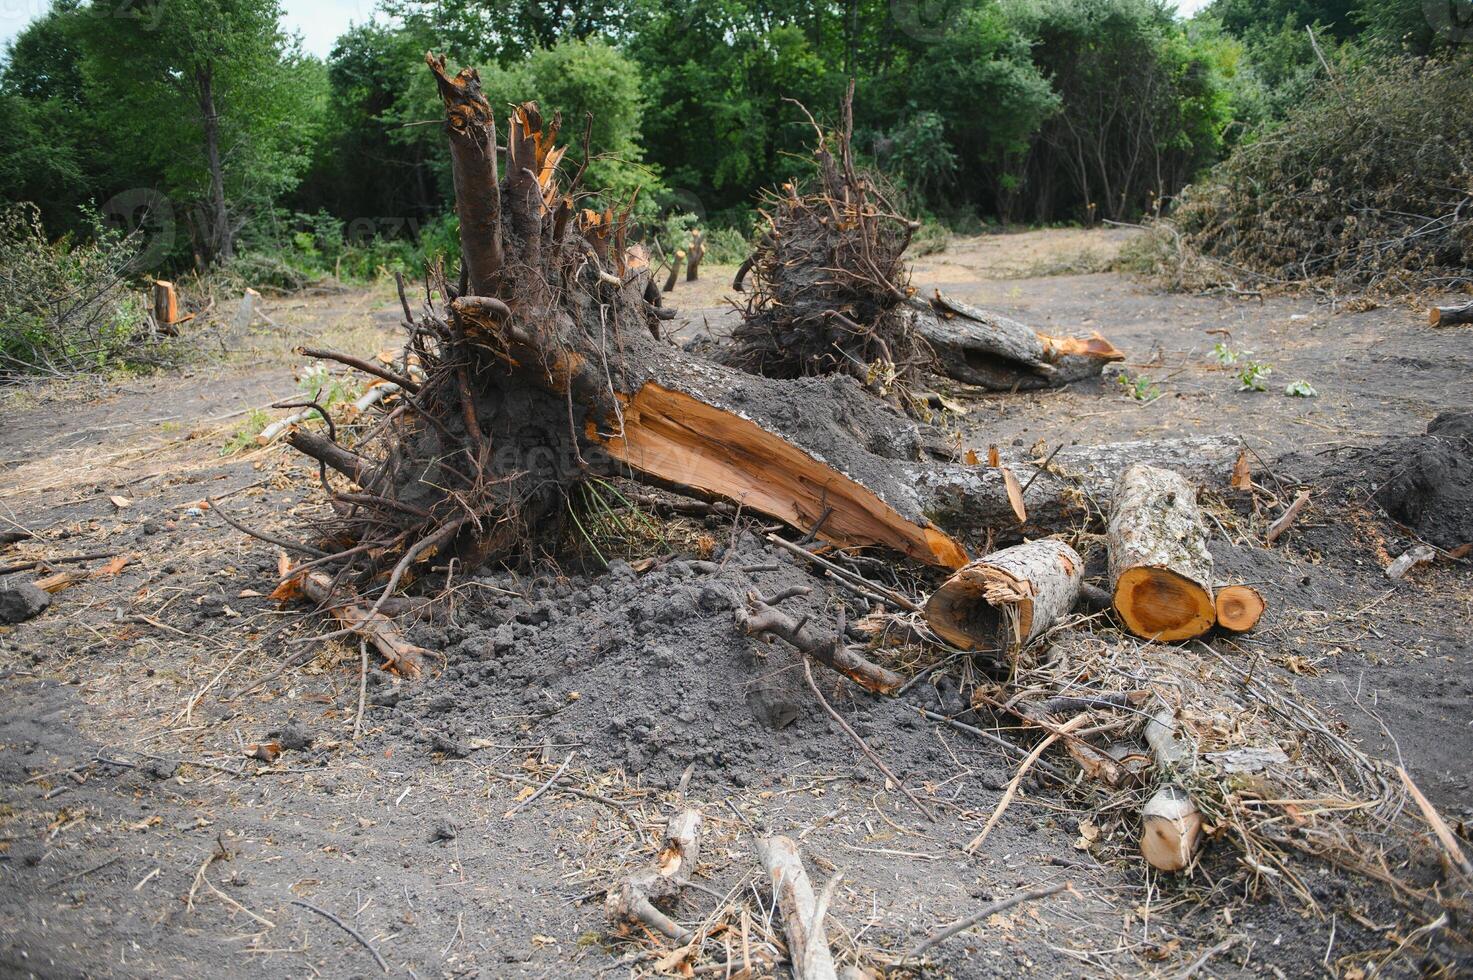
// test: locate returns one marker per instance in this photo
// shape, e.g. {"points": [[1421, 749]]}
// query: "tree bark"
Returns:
{"points": [[992, 351], [1447, 316], [1160, 568], [1009, 599], [808, 944], [221, 240], [633, 901]]}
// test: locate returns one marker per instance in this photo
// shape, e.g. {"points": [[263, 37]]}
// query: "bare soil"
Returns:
{"points": [[140, 836]]}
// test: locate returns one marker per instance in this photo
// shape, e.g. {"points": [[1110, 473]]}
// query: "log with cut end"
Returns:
{"points": [[1447, 316], [1171, 824], [1008, 599], [802, 912], [633, 902], [1160, 568], [1171, 829], [1239, 607], [986, 349]]}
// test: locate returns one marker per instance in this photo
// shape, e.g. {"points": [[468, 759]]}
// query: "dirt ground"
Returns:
{"points": [[140, 836]]}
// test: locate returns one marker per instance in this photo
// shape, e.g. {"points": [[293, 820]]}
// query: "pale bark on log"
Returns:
{"points": [[1171, 825], [1160, 568], [697, 253], [986, 349], [633, 901], [1010, 598], [808, 944]]}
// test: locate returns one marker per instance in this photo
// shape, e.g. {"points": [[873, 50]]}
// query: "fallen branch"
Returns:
{"points": [[803, 914], [346, 928], [863, 745], [983, 915], [1017, 780], [1286, 519], [399, 654], [633, 901], [1447, 316], [834, 653]]}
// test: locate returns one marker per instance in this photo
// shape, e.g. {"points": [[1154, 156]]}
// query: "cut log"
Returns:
{"points": [[992, 351], [1239, 607], [1010, 598], [1160, 568], [803, 913], [633, 902], [1447, 316], [697, 253], [675, 271], [1171, 825], [1171, 828]]}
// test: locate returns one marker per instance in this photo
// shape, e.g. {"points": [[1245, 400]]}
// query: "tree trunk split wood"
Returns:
{"points": [[1010, 598], [1160, 568], [992, 351]]}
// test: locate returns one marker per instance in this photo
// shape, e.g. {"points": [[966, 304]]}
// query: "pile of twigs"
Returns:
{"points": [[830, 283]]}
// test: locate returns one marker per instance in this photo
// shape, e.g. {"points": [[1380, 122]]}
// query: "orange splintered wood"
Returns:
{"points": [[1159, 604], [1239, 607], [165, 303], [675, 437]]}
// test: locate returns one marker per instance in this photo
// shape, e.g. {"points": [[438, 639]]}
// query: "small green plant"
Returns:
{"points": [[1254, 376], [1300, 389], [1225, 356], [326, 388], [1138, 387], [245, 437]]}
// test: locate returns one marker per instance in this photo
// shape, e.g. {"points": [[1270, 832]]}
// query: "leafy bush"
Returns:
{"points": [[66, 307], [1366, 185]]}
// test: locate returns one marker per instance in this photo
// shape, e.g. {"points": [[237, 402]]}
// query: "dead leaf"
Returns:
{"points": [[121, 503], [541, 940], [113, 567], [972, 459], [144, 824], [994, 458], [267, 752], [1015, 495], [1242, 473]]}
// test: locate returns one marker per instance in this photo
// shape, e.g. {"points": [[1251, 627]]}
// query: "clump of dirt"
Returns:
{"points": [[1429, 487], [645, 673]]}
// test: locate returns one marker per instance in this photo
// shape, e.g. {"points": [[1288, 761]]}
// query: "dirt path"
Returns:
{"points": [[138, 839]]}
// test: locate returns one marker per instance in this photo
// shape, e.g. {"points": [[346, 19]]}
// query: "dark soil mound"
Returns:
{"points": [[646, 673], [1429, 486]]}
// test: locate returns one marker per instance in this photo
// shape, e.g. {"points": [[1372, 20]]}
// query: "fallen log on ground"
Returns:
{"points": [[1447, 316], [802, 912], [1010, 598], [1160, 568], [986, 349], [1171, 824], [633, 902]]}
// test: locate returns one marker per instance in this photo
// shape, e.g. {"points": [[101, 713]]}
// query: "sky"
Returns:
{"points": [[320, 22]]}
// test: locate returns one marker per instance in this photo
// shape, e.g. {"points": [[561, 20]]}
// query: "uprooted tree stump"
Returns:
{"points": [[830, 282]]}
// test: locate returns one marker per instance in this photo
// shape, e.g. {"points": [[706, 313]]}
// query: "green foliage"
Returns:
{"points": [[1364, 183], [1253, 376], [1138, 387], [65, 306], [1225, 356], [244, 438], [1300, 389]]}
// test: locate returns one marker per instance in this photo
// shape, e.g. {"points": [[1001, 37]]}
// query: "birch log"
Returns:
{"points": [[1160, 568], [1171, 825], [1008, 599], [803, 913]]}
